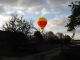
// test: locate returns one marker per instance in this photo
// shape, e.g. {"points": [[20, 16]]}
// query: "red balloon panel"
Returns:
{"points": [[42, 24]]}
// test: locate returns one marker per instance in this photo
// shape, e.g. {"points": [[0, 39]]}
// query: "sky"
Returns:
{"points": [[55, 11]]}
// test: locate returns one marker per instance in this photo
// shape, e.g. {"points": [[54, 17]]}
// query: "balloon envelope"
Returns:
{"points": [[42, 22]]}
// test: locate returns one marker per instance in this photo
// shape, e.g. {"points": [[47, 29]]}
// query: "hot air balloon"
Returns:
{"points": [[42, 22]]}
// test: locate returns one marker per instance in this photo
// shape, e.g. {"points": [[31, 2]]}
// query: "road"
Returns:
{"points": [[48, 55]]}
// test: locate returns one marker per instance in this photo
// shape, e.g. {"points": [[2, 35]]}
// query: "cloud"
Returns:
{"points": [[3, 19], [2, 10], [34, 2], [42, 7], [56, 2], [38, 10], [57, 24], [8, 2], [34, 10], [44, 11]]}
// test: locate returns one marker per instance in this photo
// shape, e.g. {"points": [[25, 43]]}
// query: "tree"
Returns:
{"points": [[74, 18], [67, 39], [60, 35], [18, 24], [51, 37], [38, 36]]}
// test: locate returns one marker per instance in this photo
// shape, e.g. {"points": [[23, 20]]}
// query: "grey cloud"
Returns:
{"points": [[2, 11], [23, 2], [57, 1], [34, 2], [58, 24], [78, 29], [9, 2]]}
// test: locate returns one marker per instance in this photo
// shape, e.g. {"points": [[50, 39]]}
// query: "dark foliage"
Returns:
{"points": [[17, 42], [74, 18], [38, 37], [11, 42], [18, 24]]}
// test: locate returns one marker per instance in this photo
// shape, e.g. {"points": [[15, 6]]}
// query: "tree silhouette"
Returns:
{"points": [[60, 35], [38, 36], [18, 24], [51, 37], [67, 39], [74, 18]]}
